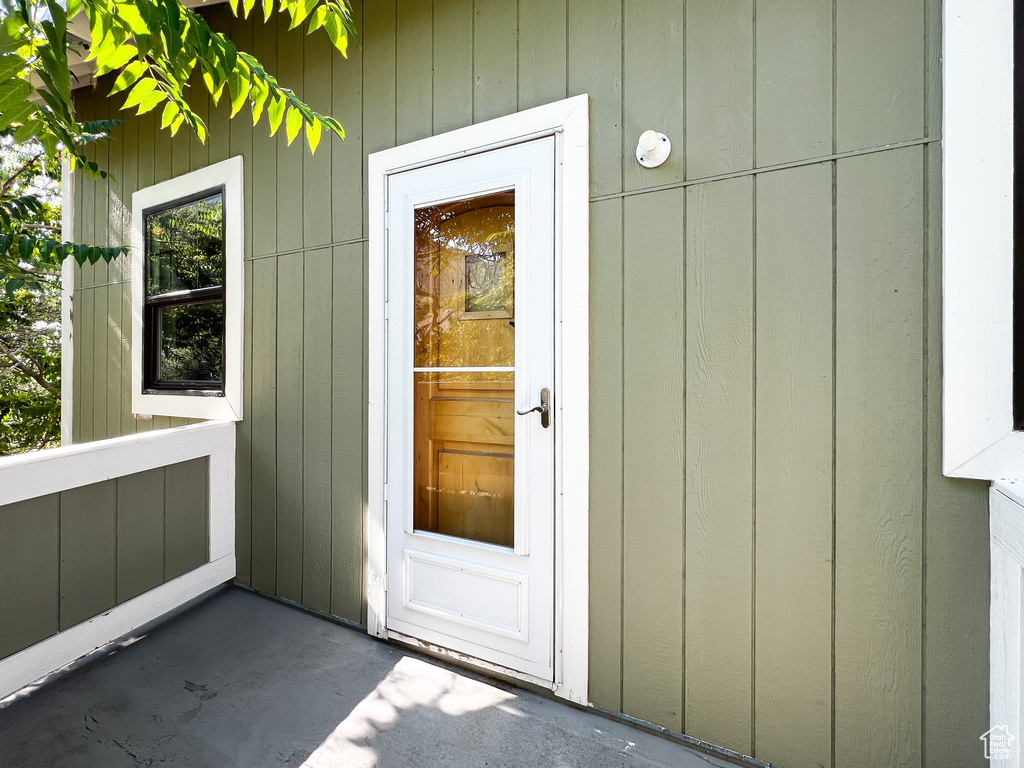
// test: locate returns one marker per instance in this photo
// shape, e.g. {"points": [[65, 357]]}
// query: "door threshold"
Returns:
{"points": [[491, 669]]}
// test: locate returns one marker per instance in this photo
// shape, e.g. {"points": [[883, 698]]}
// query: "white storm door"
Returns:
{"points": [[469, 482]]}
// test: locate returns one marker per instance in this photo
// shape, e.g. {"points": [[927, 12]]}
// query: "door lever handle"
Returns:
{"points": [[544, 409]]}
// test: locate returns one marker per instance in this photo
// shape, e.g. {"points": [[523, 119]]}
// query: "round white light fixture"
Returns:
{"points": [[653, 149]]}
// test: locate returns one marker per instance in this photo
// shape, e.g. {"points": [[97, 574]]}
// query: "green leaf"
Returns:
{"points": [[275, 112], [151, 101], [317, 19], [259, 94], [128, 75], [13, 93], [239, 91], [313, 135], [336, 31], [294, 124], [171, 111], [141, 90], [117, 59]]}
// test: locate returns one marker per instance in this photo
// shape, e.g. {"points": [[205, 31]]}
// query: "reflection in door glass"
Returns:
{"points": [[465, 283], [464, 429], [464, 455]]}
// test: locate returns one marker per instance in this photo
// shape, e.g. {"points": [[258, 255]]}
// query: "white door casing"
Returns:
{"points": [[566, 122]]}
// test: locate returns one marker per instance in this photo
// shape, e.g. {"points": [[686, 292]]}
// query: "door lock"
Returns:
{"points": [[544, 409]]}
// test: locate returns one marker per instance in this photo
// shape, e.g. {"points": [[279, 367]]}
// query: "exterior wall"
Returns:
{"points": [[778, 564], [70, 556]]}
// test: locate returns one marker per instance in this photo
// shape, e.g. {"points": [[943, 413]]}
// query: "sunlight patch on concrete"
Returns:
{"points": [[411, 685]]}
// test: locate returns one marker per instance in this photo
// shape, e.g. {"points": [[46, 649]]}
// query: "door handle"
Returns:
{"points": [[544, 409]]}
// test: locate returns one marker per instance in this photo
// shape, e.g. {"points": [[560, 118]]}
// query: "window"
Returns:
{"points": [[187, 295], [184, 317]]}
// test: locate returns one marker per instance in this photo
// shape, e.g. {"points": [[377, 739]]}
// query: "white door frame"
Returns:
{"points": [[568, 121]]}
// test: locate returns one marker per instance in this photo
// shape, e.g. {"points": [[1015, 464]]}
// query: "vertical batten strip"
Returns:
{"points": [[594, 67], [719, 460], [879, 88], [264, 151], [606, 454], [653, 87], [347, 155], [229, 138], [414, 70], [495, 76], [379, 86], [453, 65], [264, 421], [318, 90], [290, 191], [541, 51], [879, 424], [719, 56], [654, 453], [348, 405], [289, 339], [317, 368], [793, 460]]}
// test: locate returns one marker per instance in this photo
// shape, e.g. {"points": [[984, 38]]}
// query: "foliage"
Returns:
{"points": [[30, 319], [30, 216], [155, 47], [30, 368]]}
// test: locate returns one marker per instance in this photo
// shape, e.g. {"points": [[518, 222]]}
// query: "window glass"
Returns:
{"points": [[191, 342], [464, 420], [184, 304], [185, 246], [465, 282]]}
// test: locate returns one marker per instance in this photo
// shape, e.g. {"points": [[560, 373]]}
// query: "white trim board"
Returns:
{"points": [[226, 174], [977, 230], [67, 299], [31, 475], [54, 653], [568, 120]]}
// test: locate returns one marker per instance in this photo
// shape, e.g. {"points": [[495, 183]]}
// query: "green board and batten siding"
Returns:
{"points": [[70, 556], [777, 563]]}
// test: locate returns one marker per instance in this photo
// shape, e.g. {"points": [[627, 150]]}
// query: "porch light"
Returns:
{"points": [[653, 149]]}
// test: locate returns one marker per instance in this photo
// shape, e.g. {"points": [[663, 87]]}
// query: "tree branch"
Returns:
{"points": [[20, 365], [14, 177]]}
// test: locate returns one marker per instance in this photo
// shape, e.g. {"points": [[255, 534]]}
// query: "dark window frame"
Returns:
{"points": [[151, 305]]}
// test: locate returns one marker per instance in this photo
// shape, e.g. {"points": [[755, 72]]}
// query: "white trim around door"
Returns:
{"points": [[568, 122]]}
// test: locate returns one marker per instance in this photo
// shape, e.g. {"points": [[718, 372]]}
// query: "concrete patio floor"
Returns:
{"points": [[240, 680]]}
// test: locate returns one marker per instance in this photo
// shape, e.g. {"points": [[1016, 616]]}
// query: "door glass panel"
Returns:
{"points": [[464, 453], [464, 429], [465, 283]]}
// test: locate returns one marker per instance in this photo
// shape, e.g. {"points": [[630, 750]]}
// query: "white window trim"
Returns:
{"points": [[977, 229], [228, 174], [568, 120]]}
